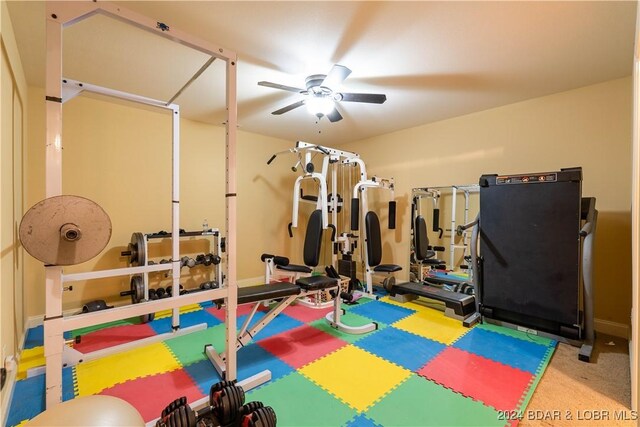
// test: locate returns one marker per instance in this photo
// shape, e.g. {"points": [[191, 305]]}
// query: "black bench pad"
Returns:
{"points": [[267, 292], [387, 268], [294, 268], [316, 283]]}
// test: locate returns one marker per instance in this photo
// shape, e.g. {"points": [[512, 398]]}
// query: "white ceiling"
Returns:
{"points": [[433, 60]]}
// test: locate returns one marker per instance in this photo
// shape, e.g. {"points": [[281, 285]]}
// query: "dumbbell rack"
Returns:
{"points": [[218, 249]]}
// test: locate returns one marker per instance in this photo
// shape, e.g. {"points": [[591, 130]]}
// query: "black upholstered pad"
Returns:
{"points": [[374, 241], [316, 283], [313, 239], [295, 268], [432, 261], [387, 268], [420, 239], [267, 292]]}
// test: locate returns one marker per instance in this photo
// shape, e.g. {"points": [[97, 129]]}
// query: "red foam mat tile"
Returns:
{"points": [[474, 376], [301, 345], [306, 314], [243, 310], [150, 395], [110, 337]]}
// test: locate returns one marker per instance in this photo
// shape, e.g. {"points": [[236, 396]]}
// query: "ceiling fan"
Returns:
{"points": [[320, 96]]}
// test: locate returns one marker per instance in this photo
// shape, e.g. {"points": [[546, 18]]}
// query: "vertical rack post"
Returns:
{"points": [[231, 201], [175, 213], [53, 328]]}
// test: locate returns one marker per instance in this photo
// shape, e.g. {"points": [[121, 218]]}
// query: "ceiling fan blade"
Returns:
{"points": [[334, 116], [289, 107], [336, 76], [281, 87], [371, 98]]}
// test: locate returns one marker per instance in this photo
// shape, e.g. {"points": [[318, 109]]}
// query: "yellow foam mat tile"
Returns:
{"points": [[432, 324], [354, 376], [30, 358], [185, 309], [94, 376]]}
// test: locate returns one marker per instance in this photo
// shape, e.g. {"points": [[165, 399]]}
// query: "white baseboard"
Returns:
{"points": [[612, 328]]}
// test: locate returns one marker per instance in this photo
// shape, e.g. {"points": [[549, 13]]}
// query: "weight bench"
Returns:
{"points": [[287, 293], [279, 265]]}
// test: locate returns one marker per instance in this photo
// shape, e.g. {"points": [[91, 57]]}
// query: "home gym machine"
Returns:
{"points": [[536, 245], [372, 245], [334, 176], [65, 230]]}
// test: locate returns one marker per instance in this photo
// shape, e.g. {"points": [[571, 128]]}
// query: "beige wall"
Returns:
{"points": [[12, 108], [120, 156], [588, 127]]}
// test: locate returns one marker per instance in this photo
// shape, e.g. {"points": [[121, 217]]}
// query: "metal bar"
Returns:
{"points": [[231, 206], [175, 212], [192, 79], [116, 272], [118, 313], [117, 94]]}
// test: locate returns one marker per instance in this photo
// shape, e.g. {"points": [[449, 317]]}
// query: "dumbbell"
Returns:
{"points": [[225, 399], [186, 261], [161, 293], [264, 416], [169, 290]]}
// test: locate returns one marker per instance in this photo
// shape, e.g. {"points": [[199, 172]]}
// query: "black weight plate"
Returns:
{"points": [[146, 318], [138, 249], [137, 289]]}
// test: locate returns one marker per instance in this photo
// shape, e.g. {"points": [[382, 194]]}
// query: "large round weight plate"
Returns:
{"points": [[65, 230], [137, 289], [138, 249]]}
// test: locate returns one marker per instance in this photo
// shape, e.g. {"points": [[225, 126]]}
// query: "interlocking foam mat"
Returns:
{"points": [[419, 368]]}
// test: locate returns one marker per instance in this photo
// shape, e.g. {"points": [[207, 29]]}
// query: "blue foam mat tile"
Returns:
{"points": [[161, 326], [28, 400], [362, 421], [505, 349], [253, 359], [203, 374], [382, 312], [281, 323], [402, 348], [35, 337]]}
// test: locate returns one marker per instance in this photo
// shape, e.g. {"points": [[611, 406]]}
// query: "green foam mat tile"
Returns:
{"points": [[419, 402], [547, 342], [89, 329], [350, 319], [299, 402], [189, 348]]}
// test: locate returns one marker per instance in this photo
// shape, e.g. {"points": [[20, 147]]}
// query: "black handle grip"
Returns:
{"points": [[355, 213], [333, 232], [290, 230], [282, 261], [264, 257], [271, 159], [322, 149], [392, 215]]}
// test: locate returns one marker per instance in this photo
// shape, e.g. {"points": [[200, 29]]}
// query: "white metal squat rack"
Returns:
{"points": [[65, 14]]}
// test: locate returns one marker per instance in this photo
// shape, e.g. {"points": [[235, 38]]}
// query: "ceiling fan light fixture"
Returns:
{"points": [[319, 105]]}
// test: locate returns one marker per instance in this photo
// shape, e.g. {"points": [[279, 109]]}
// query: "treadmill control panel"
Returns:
{"points": [[527, 179]]}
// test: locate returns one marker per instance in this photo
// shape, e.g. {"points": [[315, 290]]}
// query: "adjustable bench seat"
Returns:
{"points": [[267, 292], [387, 268], [316, 283]]}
